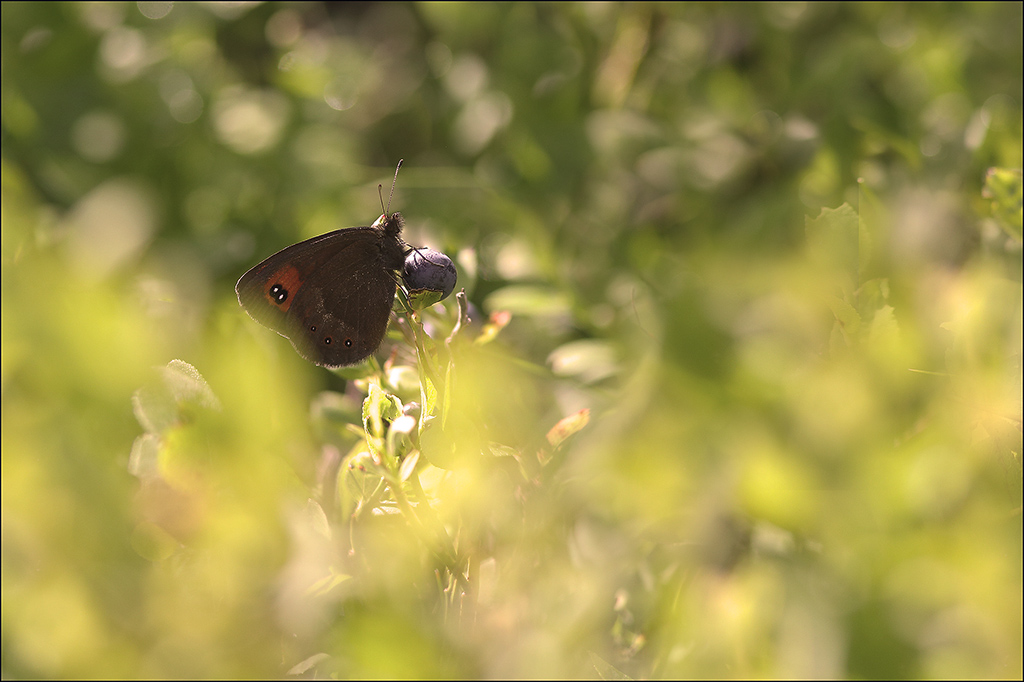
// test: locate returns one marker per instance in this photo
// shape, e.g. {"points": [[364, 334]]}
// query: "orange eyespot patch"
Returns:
{"points": [[281, 287]]}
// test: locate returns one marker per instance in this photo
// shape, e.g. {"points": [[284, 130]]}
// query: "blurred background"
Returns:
{"points": [[760, 244]]}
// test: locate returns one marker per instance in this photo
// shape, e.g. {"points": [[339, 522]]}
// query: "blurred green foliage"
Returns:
{"points": [[740, 394]]}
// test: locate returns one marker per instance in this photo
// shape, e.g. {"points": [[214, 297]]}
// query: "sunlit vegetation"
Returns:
{"points": [[733, 388]]}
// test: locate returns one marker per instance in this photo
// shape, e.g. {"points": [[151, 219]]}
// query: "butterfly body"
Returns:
{"points": [[331, 295]]}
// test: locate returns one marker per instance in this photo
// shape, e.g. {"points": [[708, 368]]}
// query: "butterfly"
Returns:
{"points": [[331, 295]]}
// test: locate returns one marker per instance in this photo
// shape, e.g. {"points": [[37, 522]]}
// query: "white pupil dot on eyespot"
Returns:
{"points": [[279, 293], [348, 343], [327, 341]]}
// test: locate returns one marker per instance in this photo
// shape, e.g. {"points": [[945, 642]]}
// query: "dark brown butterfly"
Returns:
{"points": [[331, 295]]}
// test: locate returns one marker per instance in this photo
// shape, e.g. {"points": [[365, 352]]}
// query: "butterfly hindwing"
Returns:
{"points": [[344, 320]]}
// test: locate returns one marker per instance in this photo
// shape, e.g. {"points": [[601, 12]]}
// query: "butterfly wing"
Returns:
{"points": [[330, 295]]}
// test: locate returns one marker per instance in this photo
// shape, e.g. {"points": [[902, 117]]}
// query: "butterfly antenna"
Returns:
{"points": [[393, 182]]}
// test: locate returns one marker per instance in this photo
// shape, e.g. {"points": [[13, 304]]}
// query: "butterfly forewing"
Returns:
{"points": [[267, 290]]}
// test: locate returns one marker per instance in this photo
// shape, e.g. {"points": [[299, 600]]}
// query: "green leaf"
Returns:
{"points": [[1004, 187], [833, 240]]}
